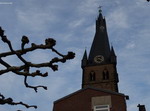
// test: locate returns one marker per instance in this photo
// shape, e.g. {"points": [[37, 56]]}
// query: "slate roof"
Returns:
{"points": [[100, 45]]}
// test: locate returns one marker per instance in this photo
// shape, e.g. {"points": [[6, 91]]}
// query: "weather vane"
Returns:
{"points": [[100, 9]]}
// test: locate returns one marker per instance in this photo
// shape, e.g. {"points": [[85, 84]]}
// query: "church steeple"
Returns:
{"points": [[99, 68], [100, 48]]}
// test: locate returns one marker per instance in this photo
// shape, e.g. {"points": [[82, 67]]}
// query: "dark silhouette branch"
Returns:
{"points": [[50, 64], [24, 51], [24, 69], [33, 87], [11, 102]]}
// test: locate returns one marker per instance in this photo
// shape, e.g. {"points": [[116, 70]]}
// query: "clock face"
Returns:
{"points": [[102, 28], [99, 59]]}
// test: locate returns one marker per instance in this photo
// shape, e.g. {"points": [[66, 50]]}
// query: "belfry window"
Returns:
{"points": [[92, 76], [105, 74]]}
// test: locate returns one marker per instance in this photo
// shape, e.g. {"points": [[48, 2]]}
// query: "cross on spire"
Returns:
{"points": [[100, 9]]}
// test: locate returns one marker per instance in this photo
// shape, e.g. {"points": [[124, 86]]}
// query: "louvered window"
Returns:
{"points": [[101, 108]]}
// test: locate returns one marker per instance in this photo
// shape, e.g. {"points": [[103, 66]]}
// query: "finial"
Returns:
{"points": [[100, 9]]}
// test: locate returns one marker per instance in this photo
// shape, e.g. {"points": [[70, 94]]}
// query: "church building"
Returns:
{"points": [[99, 90]]}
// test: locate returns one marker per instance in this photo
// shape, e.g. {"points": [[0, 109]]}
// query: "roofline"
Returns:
{"points": [[97, 89]]}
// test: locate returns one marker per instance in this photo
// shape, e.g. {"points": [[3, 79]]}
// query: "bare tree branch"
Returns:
{"points": [[33, 87], [11, 102], [24, 69]]}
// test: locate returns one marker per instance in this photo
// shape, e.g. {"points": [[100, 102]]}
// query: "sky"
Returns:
{"points": [[72, 24]]}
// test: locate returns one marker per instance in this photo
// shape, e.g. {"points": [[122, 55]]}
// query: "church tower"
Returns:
{"points": [[99, 68], [99, 90]]}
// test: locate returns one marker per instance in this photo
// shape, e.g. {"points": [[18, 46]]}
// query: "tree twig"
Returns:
{"points": [[24, 69]]}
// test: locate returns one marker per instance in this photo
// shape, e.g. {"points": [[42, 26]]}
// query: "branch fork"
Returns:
{"points": [[24, 70]]}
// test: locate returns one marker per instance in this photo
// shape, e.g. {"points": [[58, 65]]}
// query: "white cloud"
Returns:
{"points": [[35, 20], [130, 45], [118, 19], [86, 8], [76, 23]]}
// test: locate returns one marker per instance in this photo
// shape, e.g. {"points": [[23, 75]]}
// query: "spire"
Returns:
{"points": [[100, 46], [84, 59], [113, 57], [85, 55], [112, 53]]}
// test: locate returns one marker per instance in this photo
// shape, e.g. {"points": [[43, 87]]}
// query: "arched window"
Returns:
{"points": [[105, 74], [92, 76]]}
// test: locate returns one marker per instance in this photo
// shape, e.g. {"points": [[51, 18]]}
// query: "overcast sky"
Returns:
{"points": [[72, 24]]}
